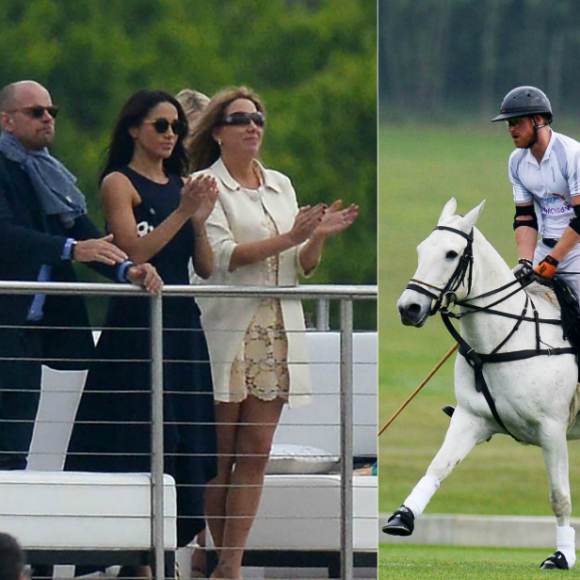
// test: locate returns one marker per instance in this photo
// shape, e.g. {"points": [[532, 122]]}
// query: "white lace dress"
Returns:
{"points": [[260, 367]]}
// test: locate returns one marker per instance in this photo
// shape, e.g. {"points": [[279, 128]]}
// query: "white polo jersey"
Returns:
{"points": [[551, 184]]}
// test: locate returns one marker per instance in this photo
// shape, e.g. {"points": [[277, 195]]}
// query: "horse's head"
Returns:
{"points": [[444, 271]]}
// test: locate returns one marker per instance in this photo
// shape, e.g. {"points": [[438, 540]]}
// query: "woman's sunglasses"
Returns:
{"points": [[37, 112], [241, 118], [178, 127]]}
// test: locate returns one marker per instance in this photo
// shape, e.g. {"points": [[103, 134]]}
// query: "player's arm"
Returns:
{"points": [[526, 230]]}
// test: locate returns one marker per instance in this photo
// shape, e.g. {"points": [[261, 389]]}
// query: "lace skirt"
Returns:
{"points": [[260, 367]]}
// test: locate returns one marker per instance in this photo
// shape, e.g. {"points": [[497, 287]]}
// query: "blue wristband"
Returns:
{"points": [[67, 251], [122, 270]]}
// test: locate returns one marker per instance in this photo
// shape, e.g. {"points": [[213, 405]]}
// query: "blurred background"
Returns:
{"points": [[443, 57], [313, 62], [444, 68]]}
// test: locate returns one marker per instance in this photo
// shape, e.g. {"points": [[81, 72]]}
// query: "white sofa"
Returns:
{"points": [[63, 509], [299, 513]]}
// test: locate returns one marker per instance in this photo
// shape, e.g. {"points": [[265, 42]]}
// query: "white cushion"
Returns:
{"points": [[287, 458], [319, 422], [75, 510], [302, 512]]}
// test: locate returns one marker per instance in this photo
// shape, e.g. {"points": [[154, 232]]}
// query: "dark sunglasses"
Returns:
{"points": [[178, 127], [37, 112], [241, 118]]}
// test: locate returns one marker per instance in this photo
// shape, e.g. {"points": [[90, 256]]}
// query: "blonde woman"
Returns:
{"points": [[193, 103], [257, 346]]}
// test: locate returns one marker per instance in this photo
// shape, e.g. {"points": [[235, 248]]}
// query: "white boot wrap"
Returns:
{"points": [[565, 537], [422, 494]]}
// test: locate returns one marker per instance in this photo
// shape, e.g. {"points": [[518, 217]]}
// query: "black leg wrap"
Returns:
{"points": [[401, 523], [557, 561], [448, 410]]}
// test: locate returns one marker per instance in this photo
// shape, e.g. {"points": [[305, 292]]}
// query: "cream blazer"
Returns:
{"points": [[238, 218]]}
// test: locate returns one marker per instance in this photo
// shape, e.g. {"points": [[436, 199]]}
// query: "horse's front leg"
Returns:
{"points": [[555, 450], [465, 431]]}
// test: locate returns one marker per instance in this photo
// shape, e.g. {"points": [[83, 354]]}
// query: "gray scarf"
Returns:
{"points": [[52, 181]]}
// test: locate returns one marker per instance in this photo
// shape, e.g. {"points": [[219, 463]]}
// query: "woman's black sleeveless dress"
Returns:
{"points": [[117, 389]]}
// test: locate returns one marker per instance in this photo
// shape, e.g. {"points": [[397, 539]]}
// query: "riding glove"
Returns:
{"points": [[523, 271], [545, 270]]}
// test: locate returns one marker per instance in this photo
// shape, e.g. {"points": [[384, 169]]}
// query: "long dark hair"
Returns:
{"points": [[120, 151], [202, 147]]}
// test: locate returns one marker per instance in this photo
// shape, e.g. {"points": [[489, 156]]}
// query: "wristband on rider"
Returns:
{"points": [[526, 262], [547, 267]]}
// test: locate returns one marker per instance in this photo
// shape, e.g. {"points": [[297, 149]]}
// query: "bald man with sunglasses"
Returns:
{"points": [[44, 228]]}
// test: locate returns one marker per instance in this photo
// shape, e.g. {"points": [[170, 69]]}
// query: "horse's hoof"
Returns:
{"points": [[401, 523], [557, 561], [449, 410]]}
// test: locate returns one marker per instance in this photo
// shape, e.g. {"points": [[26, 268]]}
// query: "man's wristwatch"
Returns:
{"points": [[73, 248]]}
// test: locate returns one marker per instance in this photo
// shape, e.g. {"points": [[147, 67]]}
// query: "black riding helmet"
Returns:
{"points": [[524, 102]]}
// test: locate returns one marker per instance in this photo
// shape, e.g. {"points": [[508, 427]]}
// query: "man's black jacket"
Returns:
{"points": [[29, 239]]}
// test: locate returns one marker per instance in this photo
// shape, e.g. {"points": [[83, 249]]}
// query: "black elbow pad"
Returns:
{"points": [[575, 221], [527, 210]]}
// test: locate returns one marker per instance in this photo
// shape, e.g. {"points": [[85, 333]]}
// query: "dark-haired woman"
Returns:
{"points": [[257, 346], [157, 216]]}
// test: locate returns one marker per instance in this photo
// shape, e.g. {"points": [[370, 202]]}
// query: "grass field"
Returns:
{"points": [[445, 563], [420, 168]]}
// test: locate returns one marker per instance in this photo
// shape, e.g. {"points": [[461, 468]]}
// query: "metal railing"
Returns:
{"points": [[323, 294]]}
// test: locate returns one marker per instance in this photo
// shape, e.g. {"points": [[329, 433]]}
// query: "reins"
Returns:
{"points": [[477, 360]]}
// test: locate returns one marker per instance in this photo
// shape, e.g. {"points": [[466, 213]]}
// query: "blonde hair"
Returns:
{"points": [[202, 147], [192, 101]]}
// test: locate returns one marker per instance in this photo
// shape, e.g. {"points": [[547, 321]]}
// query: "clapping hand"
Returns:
{"points": [[198, 197], [306, 221], [336, 220]]}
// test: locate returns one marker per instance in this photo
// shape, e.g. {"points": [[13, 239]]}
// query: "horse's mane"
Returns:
{"points": [[537, 291], [543, 293]]}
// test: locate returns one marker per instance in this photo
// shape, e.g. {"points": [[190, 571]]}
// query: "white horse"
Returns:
{"points": [[532, 395]]}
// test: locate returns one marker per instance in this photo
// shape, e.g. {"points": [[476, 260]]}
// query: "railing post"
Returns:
{"points": [[346, 439], [157, 491], [322, 314]]}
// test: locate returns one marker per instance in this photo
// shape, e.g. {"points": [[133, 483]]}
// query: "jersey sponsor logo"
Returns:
{"points": [[556, 204], [554, 198], [566, 208]]}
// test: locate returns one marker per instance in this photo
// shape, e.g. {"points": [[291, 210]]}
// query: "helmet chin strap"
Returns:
{"points": [[536, 127]]}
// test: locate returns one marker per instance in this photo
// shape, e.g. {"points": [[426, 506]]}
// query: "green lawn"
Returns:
{"points": [[420, 168], [400, 562]]}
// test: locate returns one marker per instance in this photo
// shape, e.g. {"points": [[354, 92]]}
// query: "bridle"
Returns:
{"points": [[446, 299], [446, 295]]}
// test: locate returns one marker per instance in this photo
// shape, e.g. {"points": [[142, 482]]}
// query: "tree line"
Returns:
{"points": [[312, 62], [467, 54]]}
